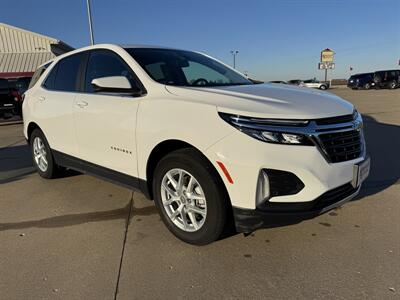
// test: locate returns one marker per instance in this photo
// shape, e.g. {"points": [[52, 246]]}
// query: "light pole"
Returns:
{"points": [[234, 53], [90, 21]]}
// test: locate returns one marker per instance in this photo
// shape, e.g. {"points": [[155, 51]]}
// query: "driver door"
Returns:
{"points": [[106, 122]]}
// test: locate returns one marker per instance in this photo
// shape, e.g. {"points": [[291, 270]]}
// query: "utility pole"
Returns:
{"points": [[90, 21], [234, 53]]}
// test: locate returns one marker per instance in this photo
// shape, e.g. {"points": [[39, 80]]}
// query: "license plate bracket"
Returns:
{"points": [[361, 172]]}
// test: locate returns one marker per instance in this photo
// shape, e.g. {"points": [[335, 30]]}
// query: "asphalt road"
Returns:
{"points": [[82, 238]]}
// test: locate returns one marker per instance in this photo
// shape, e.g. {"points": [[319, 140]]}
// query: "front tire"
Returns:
{"points": [[190, 197], [367, 86], [42, 155], [323, 87]]}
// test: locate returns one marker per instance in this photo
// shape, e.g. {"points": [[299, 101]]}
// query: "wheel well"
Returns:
{"points": [[166, 147], [157, 154], [163, 149], [31, 127]]}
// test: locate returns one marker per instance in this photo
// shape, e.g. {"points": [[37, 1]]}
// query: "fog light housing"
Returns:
{"points": [[275, 183], [263, 190]]}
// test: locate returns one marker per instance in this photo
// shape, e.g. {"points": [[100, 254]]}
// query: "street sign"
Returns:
{"points": [[327, 55], [326, 61], [326, 65]]}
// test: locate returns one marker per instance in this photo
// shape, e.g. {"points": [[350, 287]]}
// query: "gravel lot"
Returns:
{"points": [[82, 238]]}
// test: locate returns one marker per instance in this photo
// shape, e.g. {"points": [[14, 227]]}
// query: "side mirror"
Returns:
{"points": [[115, 84]]}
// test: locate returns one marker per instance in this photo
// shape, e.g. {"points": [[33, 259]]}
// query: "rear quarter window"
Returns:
{"points": [[37, 75], [49, 83]]}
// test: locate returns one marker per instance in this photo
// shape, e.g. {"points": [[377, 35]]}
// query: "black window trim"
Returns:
{"points": [[56, 66], [80, 84], [83, 69]]}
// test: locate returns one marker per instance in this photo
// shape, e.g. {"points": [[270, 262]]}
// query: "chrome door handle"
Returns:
{"points": [[82, 104], [41, 98]]}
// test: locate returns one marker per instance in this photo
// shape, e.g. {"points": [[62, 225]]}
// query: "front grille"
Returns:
{"points": [[333, 196], [335, 120], [342, 146]]}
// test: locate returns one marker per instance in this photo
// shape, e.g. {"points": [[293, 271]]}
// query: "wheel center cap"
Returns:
{"points": [[183, 199]]}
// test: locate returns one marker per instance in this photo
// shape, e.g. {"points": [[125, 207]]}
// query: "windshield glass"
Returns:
{"points": [[185, 68]]}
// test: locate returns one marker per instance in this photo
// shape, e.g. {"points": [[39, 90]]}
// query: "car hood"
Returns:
{"points": [[267, 100]]}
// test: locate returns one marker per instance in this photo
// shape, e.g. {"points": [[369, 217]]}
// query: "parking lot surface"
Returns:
{"points": [[79, 237]]}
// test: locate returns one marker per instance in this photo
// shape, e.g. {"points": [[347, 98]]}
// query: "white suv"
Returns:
{"points": [[199, 138], [313, 83]]}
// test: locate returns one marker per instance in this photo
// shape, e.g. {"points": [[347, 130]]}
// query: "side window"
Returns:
{"points": [[104, 63], [67, 74], [37, 75], [49, 83]]}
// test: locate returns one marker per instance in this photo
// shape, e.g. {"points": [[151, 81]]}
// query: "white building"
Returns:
{"points": [[22, 51]]}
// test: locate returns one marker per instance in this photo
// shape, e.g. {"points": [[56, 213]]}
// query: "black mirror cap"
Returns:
{"points": [[135, 91]]}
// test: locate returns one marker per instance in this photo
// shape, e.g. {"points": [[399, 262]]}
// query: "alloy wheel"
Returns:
{"points": [[40, 154], [183, 200]]}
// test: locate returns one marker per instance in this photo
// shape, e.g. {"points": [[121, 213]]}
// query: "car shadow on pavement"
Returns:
{"points": [[383, 146], [129, 210], [15, 163], [70, 219]]}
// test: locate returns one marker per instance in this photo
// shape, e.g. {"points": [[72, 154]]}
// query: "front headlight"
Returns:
{"points": [[270, 130]]}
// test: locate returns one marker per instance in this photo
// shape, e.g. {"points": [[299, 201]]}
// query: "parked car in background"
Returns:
{"points": [[7, 102], [196, 136], [297, 82], [255, 81], [361, 81], [389, 79], [316, 84], [19, 87], [278, 81]]}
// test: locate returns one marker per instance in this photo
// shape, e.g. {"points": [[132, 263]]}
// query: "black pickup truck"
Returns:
{"points": [[11, 96], [7, 101]]}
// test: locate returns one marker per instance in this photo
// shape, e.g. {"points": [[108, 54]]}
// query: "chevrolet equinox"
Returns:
{"points": [[209, 146]]}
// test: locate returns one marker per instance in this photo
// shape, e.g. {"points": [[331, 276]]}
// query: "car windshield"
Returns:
{"points": [[185, 68]]}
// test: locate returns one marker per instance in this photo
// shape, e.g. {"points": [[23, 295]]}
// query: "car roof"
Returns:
{"points": [[360, 74], [387, 70], [110, 47]]}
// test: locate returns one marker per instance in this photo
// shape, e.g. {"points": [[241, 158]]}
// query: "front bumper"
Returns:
{"points": [[248, 220], [244, 157]]}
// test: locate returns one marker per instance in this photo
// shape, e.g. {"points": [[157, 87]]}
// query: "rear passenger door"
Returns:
{"points": [[55, 99], [106, 122]]}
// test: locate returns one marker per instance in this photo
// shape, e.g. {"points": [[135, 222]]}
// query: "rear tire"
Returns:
{"points": [[323, 87], [199, 188], [42, 156], [392, 85], [367, 86]]}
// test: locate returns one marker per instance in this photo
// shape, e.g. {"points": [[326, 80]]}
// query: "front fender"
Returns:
{"points": [[160, 120]]}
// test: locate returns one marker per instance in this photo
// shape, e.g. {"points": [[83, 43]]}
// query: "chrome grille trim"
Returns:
{"points": [[316, 133]]}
